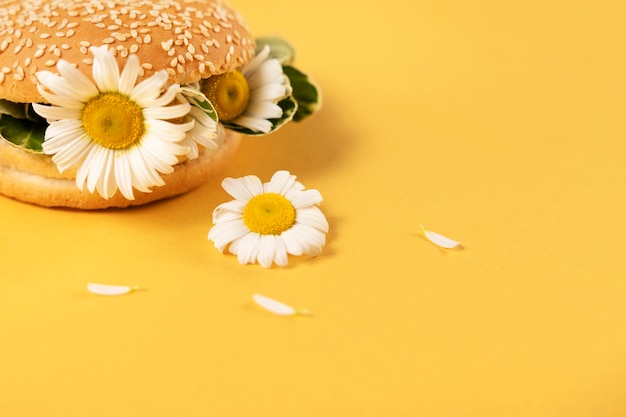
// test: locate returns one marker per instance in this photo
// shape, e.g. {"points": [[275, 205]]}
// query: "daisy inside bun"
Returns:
{"points": [[120, 102]]}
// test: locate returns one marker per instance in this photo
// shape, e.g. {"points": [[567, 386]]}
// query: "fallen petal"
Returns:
{"points": [[104, 289], [276, 307], [440, 240]]}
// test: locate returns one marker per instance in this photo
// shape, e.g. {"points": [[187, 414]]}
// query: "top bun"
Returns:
{"points": [[191, 39]]}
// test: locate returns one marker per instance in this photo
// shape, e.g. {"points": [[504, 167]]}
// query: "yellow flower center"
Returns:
{"points": [[269, 214], [113, 120], [229, 94]]}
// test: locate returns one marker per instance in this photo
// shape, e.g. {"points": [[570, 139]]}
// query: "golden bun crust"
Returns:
{"points": [[191, 39], [33, 178]]}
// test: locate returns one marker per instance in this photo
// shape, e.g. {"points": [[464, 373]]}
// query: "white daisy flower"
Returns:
{"points": [[267, 221], [113, 131], [249, 98]]}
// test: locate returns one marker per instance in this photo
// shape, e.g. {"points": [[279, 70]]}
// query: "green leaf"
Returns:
{"points": [[289, 106], [305, 92], [201, 100], [17, 110], [279, 49], [23, 132]]}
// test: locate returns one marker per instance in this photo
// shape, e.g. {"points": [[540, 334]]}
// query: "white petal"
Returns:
{"points": [[129, 75], [57, 113], [267, 250], [106, 72], [150, 88], [279, 183], [280, 253], [169, 112], [252, 66], [104, 289], [274, 306], [306, 198], [312, 216], [72, 82], [123, 176], [440, 240], [247, 248], [227, 232], [262, 110], [238, 187], [254, 124]]}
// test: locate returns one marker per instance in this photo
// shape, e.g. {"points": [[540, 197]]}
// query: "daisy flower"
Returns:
{"points": [[249, 98], [114, 132], [266, 222]]}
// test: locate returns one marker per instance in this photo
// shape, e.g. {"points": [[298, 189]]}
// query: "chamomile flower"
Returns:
{"points": [[249, 98], [114, 131], [266, 222]]}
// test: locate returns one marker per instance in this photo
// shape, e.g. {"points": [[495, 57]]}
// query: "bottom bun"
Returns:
{"points": [[30, 177]]}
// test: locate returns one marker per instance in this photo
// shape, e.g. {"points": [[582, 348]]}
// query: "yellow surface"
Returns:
{"points": [[499, 124]]}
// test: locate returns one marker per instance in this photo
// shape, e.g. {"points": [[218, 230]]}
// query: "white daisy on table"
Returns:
{"points": [[266, 222], [249, 98], [114, 131]]}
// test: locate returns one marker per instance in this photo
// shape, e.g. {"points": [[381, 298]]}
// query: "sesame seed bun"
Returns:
{"points": [[190, 39]]}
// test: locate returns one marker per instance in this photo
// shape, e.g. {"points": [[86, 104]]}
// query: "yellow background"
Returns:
{"points": [[499, 124]]}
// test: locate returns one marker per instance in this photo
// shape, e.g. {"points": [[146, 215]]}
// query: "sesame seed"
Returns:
{"points": [[108, 40], [44, 35], [170, 71], [38, 53], [87, 61], [167, 45], [50, 63], [6, 70], [70, 33]]}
